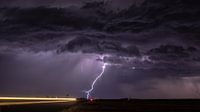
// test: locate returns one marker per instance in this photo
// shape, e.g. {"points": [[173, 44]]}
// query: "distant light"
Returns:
{"points": [[91, 99], [133, 68]]}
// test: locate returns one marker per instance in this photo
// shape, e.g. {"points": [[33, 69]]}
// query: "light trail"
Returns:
{"points": [[37, 99], [29, 103], [93, 83], [6, 101]]}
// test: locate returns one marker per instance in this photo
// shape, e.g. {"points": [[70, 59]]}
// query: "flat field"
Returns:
{"points": [[122, 105]]}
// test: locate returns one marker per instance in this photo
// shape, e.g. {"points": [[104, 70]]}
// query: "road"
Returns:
{"points": [[7, 101]]}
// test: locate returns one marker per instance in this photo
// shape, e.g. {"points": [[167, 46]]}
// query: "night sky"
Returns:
{"points": [[58, 47]]}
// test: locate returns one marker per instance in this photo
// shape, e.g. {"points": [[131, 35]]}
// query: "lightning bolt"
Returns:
{"points": [[95, 80]]}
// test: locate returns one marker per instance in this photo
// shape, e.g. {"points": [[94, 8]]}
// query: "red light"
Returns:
{"points": [[91, 100]]}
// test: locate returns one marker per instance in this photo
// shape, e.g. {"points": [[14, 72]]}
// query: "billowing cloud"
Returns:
{"points": [[99, 46], [172, 53]]}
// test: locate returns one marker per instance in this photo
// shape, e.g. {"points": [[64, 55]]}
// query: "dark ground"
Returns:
{"points": [[123, 105]]}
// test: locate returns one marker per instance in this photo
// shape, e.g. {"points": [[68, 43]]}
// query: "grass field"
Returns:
{"points": [[123, 105]]}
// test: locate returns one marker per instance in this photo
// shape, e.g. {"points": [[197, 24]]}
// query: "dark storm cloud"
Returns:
{"points": [[61, 3], [28, 26], [99, 46], [36, 3], [172, 53], [157, 15]]}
